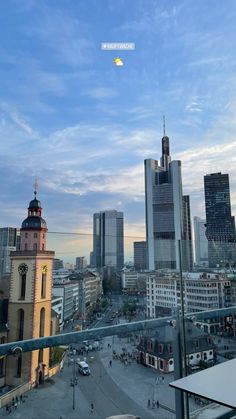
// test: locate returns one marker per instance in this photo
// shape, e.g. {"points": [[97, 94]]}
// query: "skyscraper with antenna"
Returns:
{"points": [[167, 212]]}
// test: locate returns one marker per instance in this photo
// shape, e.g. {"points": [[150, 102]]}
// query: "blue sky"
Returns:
{"points": [[83, 126]]}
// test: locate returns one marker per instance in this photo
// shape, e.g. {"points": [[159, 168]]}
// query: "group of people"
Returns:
{"points": [[155, 403], [14, 403]]}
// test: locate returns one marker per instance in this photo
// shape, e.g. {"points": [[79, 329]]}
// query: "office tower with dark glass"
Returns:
{"points": [[167, 213], [220, 224], [140, 255], [108, 239], [201, 243]]}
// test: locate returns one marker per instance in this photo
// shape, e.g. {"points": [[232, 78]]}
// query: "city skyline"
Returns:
{"points": [[66, 116]]}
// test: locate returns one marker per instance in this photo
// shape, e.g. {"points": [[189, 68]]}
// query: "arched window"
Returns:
{"points": [[22, 286], [42, 322], [43, 285], [20, 329]]}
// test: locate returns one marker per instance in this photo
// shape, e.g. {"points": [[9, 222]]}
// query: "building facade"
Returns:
{"points": [[80, 262], [220, 224], [57, 306], [9, 241], [140, 255], [202, 292], [29, 309], [167, 213], [200, 240], [157, 351], [58, 264], [108, 239]]}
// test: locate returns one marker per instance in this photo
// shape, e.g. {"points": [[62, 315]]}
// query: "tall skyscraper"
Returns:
{"points": [[201, 244], [220, 224], [140, 255], [108, 239], [167, 213], [9, 237], [29, 309]]}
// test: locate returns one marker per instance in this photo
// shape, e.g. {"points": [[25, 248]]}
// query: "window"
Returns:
{"points": [[35, 235], [191, 357], [170, 349], [161, 364], [35, 246], [21, 316], [26, 235], [42, 322], [19, 365], [151, 360], [160, 348], [22, 286], [43, 286], [26, 246]]}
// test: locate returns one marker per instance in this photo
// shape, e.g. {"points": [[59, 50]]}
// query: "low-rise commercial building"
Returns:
{"points": [[156, 351], [201, 292]]}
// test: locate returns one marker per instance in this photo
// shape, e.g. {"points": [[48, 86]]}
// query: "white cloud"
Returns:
{"points": [[101, 93]]}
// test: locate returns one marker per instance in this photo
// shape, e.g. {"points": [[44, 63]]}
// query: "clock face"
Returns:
{"points": [[44, 269], [22, 269]]}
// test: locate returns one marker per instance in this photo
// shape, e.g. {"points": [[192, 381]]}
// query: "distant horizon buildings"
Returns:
{"points": [[108, 239], [200, 241], [80, 262], [220, 224], [167, 213]]}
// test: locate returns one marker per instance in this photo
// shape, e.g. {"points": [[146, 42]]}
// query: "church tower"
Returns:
{"points": [[29, 310]]}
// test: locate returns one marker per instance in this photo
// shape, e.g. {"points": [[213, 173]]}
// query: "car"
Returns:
{"points": [[83, 368]]}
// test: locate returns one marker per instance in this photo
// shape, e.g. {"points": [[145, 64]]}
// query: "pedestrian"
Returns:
{"points": [[21, 397], [15, 405], [13, 401], [149, 403], [157, 403], [153, 404], [7, 408], [92, 408], [110, 362]]}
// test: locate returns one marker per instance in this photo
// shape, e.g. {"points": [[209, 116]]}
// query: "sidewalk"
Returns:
{"points": [[137, 381]]}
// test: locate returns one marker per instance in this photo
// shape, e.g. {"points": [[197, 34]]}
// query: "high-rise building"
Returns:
{"points": [[201, 244], [167, 213], [140, 255], [80, 262], [57, 264], [9, 237], [187, 245], [29, 309], [108, 239], [220, 224]]}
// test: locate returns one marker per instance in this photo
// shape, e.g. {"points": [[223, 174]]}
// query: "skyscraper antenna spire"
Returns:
{"points": [[35, 186], [164, 125]]}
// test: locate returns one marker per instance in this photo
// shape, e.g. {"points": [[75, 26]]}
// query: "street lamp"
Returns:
{"points": [[73, 383]]}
